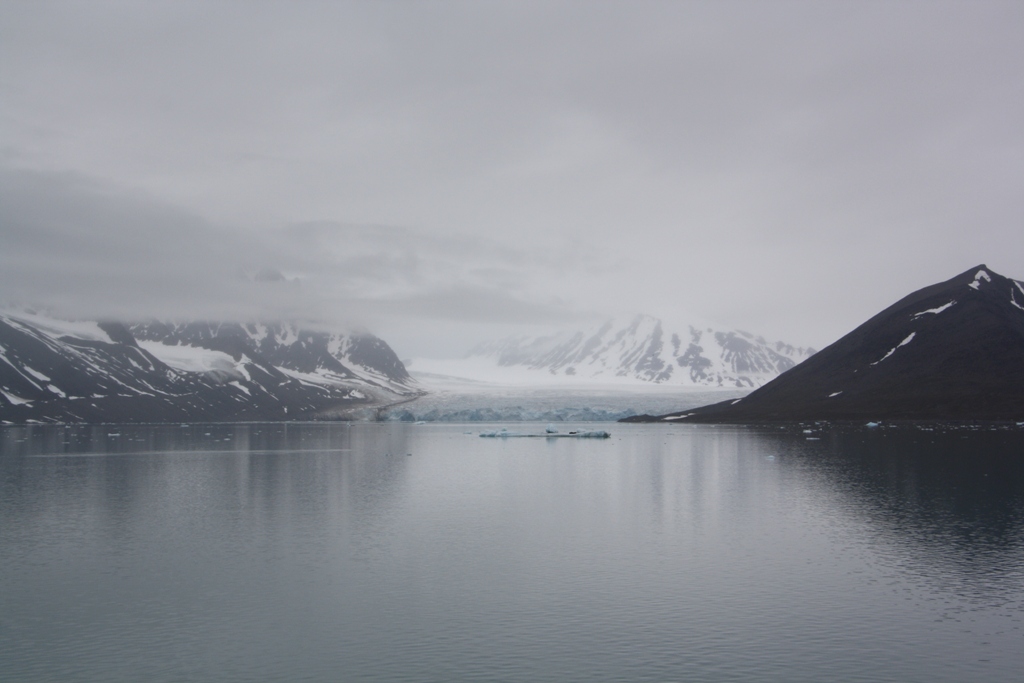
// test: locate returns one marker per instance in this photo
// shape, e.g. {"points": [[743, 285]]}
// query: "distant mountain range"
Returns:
{"points": [[54, 370], [951, 351], [643, 349]]}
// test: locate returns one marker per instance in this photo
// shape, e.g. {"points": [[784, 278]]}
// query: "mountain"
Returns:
{"points": [[642, 349], [302, 353], [54, 370], [951, 351]]}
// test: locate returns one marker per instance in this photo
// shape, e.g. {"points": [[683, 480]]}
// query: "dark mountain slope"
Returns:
{"points": [[357, 355], [951, 351], [55, 370]]}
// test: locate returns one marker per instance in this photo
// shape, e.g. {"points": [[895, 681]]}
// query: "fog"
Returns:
{"points": [[446, 172]]}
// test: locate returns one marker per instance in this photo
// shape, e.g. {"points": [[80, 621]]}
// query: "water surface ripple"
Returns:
{"points": [[397, 552]]}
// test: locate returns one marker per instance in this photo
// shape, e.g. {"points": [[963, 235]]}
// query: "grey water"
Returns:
{"points": [[551, 404], [398, 552]]}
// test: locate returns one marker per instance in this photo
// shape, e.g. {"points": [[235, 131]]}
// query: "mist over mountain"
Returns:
{"points": [[641, 349]]}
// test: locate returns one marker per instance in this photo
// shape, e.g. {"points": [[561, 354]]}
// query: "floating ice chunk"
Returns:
{"points": [[872, 425], [935, 311], [500, 433], [505, 434], [906, 341], [834, 394], [550, 429]]}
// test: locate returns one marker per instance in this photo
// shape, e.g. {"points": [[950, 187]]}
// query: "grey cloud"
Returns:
{"points": [[71, 242], [788, 167], [74, 244], [476, 304]]}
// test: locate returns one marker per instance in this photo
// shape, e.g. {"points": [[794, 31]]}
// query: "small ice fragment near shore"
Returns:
{"points": [[871, 424], [550, 429]]}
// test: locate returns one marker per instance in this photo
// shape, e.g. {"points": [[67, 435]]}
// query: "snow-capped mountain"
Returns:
{"points": [[951, 351], [643, 349], [54, 370], [305, 354]]}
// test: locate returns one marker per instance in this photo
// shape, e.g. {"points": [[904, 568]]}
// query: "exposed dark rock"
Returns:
{"points": [[951, 351], [55, 371]]}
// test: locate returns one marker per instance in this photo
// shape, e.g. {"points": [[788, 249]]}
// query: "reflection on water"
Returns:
{"points": [[400, 552]]}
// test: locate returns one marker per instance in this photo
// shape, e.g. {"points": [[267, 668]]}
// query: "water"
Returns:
{"points": [[552, 404], [395, 552]]}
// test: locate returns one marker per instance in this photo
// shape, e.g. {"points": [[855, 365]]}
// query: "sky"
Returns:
{"points": [[447, 172]]}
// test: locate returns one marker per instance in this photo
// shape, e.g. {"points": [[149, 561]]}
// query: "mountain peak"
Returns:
{"points": [[636, 349], [954, 350]]}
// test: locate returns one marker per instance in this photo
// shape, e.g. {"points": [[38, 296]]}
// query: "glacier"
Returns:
{"points": [[547, 404], [639, 350]]}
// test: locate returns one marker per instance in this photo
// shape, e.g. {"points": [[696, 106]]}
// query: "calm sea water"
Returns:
{"points": [[393, 552]]}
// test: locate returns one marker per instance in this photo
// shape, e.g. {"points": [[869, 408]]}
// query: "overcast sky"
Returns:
{"points": [[443, 172]]}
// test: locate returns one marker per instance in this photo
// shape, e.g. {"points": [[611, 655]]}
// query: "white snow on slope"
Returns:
{"points": [[38, 375], [906, 341], [15, 400], [1013, 295], [935, 311], [978, 277], [319, 378], [642, 350], [190, 358], [89, 331]]}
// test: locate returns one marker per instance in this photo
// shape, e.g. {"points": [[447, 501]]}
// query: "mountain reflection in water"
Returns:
{"points": [[421, 552]]}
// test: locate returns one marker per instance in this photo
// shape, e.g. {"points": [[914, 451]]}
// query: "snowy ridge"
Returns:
{"points": [[54, 370], [640, 350], [327, 358]]}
